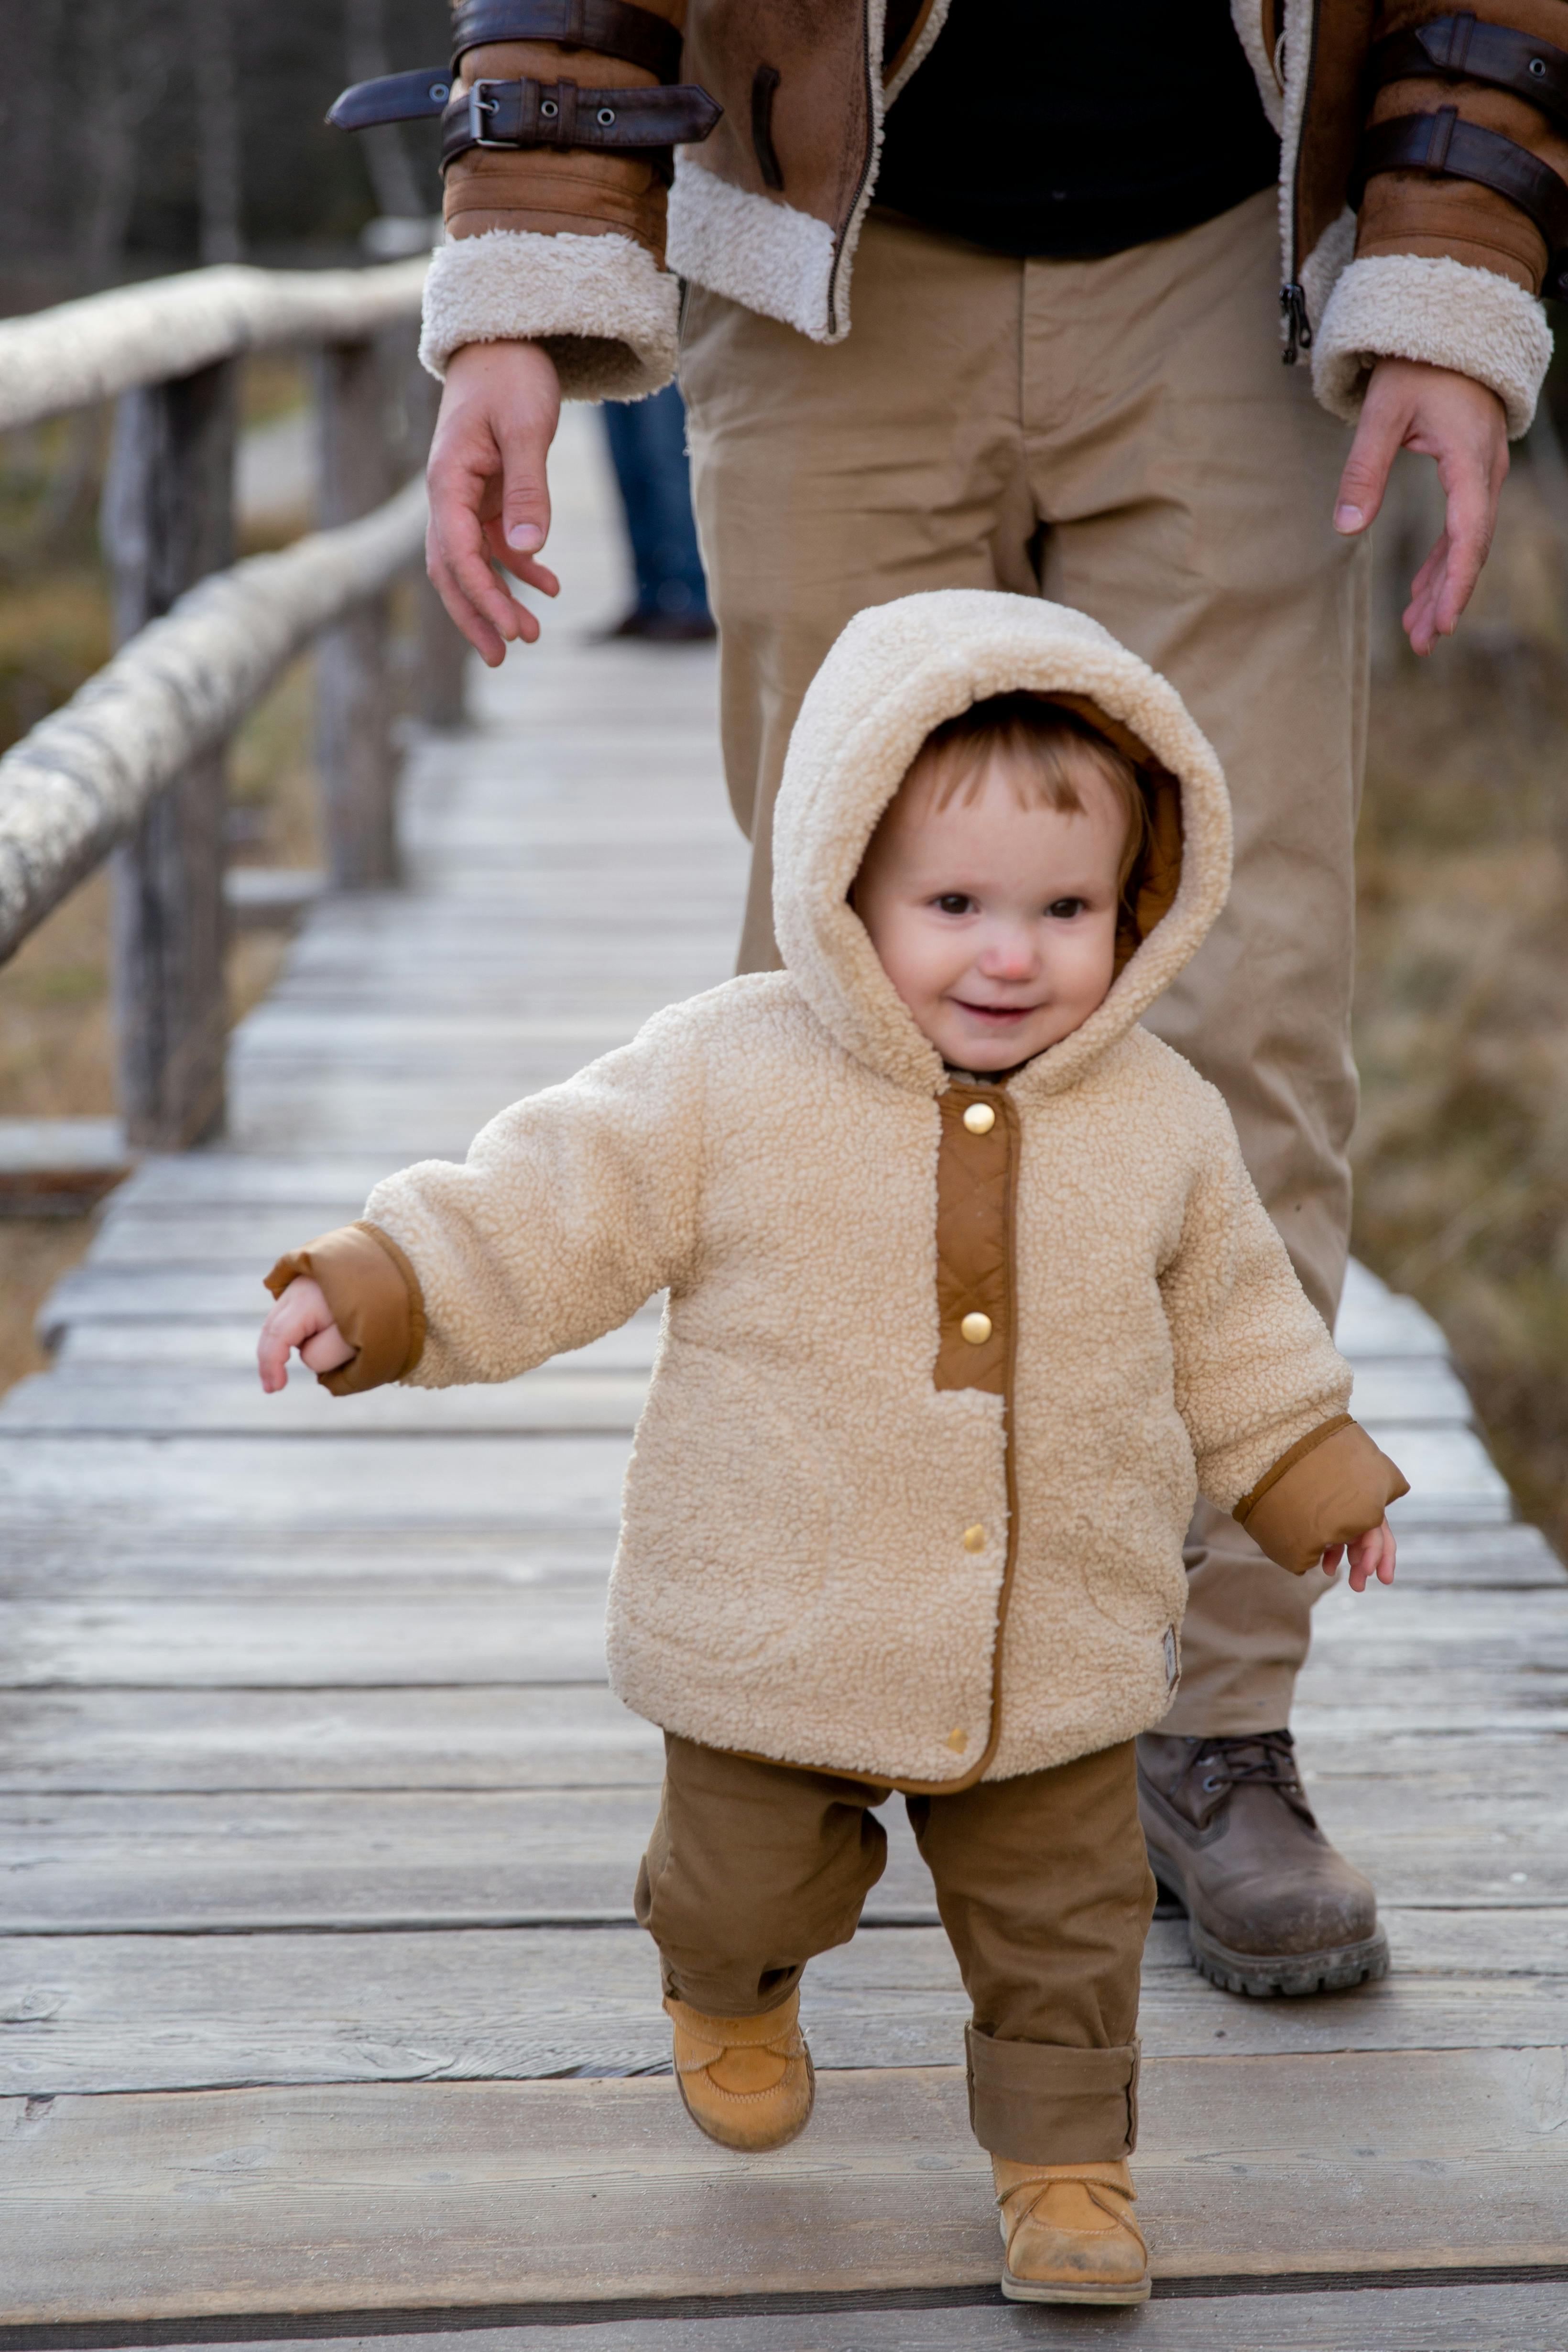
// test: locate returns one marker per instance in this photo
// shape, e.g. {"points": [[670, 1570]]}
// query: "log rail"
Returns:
{"points": [[133, 769]]}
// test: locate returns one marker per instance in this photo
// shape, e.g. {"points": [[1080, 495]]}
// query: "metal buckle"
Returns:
{"points": [[479, 105]]}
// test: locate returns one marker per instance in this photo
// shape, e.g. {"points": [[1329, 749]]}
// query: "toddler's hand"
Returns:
{"points": [[1370, 1555], [302, 1319]]}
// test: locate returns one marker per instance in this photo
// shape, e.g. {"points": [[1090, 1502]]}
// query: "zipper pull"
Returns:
{"points": [[1298, 326]]}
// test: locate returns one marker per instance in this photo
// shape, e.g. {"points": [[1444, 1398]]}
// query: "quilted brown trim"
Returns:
{"points": [[1288, 1461], [376, 1299]]}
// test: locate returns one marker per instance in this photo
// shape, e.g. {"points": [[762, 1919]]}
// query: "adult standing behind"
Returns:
{"points": [[1015, 330]]}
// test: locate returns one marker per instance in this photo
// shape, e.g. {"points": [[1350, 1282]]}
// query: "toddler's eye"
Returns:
{"points": [[1065, 909], [954, 902]]}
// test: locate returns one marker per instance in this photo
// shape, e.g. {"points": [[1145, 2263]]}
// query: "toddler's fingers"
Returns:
{"points": [[1332, 1554], [325, 1351]]}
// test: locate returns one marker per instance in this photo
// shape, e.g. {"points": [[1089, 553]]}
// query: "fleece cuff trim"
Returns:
{"points": [[765, 255], [1414, 306], [605, 311]]}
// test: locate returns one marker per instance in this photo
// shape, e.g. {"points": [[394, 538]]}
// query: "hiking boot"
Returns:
{"points": [[747, 2082], [1271, 1907], [1069, 2234]]}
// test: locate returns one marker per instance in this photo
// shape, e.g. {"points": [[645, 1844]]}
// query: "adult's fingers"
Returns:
{"points": [[489, 497], [1379, 430]]}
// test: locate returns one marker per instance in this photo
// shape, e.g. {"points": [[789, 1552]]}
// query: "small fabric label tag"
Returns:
{"points": [[1173, 1664]]}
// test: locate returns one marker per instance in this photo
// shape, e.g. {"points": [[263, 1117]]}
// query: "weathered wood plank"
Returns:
{"points": [[393, 2197], [200, 1401], [286, 1482], [438, 1638], [106, 2014], [551, 1635], [1464, 2317], [500, 1856], [118, 1742]]}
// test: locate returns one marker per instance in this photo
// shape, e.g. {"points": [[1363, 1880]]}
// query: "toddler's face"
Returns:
{"points": [[995, 917]]}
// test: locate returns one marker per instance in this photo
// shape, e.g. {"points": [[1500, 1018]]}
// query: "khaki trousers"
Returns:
{"points": [[1042, 1884], [1118, 435]]}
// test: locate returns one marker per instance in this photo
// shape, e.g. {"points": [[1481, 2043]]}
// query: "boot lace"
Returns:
{"points": [[1262, 1757]]}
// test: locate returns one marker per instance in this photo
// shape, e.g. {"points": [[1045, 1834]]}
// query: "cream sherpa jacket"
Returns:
{"points": [[934, 1398]]}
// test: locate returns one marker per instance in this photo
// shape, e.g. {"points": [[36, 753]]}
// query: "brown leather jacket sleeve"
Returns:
{"points": [[1429, 214], [577, 192], [1330, 1487], [375, 1295]]}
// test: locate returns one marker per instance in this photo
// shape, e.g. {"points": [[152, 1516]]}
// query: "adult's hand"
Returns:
{"points": [[490, 499], [1462, 425]]}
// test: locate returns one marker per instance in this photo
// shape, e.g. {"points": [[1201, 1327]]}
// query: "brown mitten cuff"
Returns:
{"points": [[1330, 1487], [376, 1302]]}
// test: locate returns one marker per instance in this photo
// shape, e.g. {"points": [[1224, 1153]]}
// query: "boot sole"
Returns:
{"points": [[1017, 2290], [1290, 1976], [754, 2148]]}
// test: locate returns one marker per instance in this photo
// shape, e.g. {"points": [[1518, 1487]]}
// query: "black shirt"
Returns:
{"points": [[1073, 128]]}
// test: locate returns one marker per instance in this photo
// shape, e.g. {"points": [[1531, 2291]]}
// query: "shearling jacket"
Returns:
{"points": [[945, 1363], [1440, 258]]}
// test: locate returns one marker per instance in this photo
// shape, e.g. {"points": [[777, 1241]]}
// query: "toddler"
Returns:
{"points": [[969, 1297]]}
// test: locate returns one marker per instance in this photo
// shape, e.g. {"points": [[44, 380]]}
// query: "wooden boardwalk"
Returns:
{"points": [[319, 1989]]}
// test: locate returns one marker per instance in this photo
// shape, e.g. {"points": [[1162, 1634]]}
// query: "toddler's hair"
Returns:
{"points": [[1050, 751]]}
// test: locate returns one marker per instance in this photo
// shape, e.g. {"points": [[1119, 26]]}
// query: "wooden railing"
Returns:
{"points": [[133, 766]]}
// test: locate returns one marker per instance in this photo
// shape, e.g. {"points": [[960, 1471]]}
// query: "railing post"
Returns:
{"points": [[168, 521], [354, 750]]}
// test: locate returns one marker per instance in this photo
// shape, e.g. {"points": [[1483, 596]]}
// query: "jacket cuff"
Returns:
{"points": [[1329, 1488], [1411, 306], [376, 1302], [602, 307]]}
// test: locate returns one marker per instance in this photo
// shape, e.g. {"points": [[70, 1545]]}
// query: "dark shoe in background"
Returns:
{"points": [[657, 629], [1271, 1907]]}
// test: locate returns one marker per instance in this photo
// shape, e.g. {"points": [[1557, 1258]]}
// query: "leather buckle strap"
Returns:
{"points": [[391, 98], [530, 114], [610, 26], [1462, 49], [1445, 142]]}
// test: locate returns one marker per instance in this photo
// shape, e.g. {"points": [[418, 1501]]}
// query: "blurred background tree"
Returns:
{"points": [[147, 136]]}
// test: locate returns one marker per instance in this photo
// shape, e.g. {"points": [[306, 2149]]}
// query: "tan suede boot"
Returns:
{"points": [[1069, 2234], [747, 2082]]}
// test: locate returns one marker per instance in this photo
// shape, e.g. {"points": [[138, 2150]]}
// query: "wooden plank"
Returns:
{"points": [[302, 1484], [500, 1856], [392, 2196], [205, 1401], [553, 1634], [61, 1556], [103, 1741], [545, 1634], [344, 1858], [1465, 2316], [108, 2013]]}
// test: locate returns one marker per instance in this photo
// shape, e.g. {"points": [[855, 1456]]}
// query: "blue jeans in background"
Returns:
{"points": [[648, 449]]}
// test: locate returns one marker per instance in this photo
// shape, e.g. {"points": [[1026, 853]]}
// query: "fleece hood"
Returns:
{"points": [[896, 672]]}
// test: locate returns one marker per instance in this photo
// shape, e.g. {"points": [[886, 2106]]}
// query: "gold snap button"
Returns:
{"points": [[973, 1538], [980, 1119], [957, 1740], [976, 1329]]}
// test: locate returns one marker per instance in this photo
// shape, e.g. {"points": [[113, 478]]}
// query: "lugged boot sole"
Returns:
{"points": [[1265, 1976], [1017, 2290]]}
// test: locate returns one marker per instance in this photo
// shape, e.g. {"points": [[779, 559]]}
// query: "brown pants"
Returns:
{"points": [[1043, 1886], [1120, 436]]}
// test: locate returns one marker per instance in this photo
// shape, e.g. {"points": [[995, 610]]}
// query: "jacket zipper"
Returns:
{"points": [[1298, 326], [1292, 296]]}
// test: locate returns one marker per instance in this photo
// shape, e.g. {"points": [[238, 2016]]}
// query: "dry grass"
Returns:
{"points": [[1462, 1017]]}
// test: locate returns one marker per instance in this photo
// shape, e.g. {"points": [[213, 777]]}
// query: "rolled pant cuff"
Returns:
{"points": [[1040, 2103]]}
